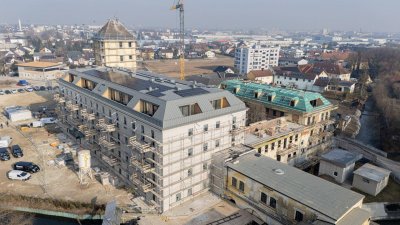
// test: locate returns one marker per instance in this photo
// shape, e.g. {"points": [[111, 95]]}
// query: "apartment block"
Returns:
{"points": [[255, 57], [115, 46], [155, 134]]}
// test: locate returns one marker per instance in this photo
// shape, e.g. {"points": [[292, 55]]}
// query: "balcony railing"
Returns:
{"points": [[142, 147], [106, 143], [142, 165]]}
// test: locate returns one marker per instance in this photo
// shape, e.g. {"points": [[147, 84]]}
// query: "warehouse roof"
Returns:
{"points": [[38, 64], [277, 96], [341, 158], [324, 197], [372, 172]]}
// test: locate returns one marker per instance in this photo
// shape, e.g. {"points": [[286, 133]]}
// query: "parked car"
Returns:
{"points": [[36, 88], [22, 83], [29, 89], [14, 91], [4, 155], [26, 166], [49, 88], [48, 120], [21, 90], [18, 175], [42, 88], [2, 92], [16, 151], [7, 92]]}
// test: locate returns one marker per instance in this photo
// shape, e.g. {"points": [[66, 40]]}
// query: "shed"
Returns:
{"points": [[338, 164], [371, 179], [17, 113]]}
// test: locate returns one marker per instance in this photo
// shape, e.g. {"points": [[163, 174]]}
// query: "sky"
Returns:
{"points": [[292, 15]]}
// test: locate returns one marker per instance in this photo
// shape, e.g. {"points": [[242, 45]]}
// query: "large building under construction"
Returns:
{"points": [[155, 134]]}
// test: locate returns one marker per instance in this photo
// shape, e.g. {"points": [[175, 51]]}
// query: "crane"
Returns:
{"points": [[179, 6]]}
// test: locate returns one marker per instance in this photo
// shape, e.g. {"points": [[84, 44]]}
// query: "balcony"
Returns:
{"points": [[71, 106], [142, 147], [236, 129], [291, 148], [142, 165], [110, 160], [142, 183], [82, 128], [74, 121], [106, 143], [104, 126]]}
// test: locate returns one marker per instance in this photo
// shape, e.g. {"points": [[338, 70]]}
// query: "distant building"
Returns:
{"points": [[223, 70], [115, 46], [147, 54], [264, 75], [256, 57], [41, 70], [165, 54], [338, 164], [284, 61], [371, 179], [282, 195], [212, 79]]}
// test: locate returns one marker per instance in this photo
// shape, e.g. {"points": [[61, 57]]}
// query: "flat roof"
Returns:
{"points": [[325, 197], [372, 172], [39, 64], [341, 158]]}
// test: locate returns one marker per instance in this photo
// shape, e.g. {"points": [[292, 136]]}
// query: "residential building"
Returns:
{"points": [[264, 76], [41, 70], [256, 57], [147, 54], [338, 164], [280, 194], [165, 54], [115, 46], [330, 69], [154, 134], [212, 79], [288, 61], [223, 70], [371, 179]]}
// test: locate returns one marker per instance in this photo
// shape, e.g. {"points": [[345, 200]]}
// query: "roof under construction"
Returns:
{"points": [[114, 30]]}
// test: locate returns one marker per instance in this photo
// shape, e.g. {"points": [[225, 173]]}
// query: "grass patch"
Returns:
{"points": [[391, 193]]}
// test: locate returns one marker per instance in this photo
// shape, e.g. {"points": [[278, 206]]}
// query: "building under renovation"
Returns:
{"points": [[115, 46], [156, 134]]}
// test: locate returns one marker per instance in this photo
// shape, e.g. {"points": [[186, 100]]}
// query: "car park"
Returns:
{"points": [[4, 155], [18, 175], [16, 151], [27, 167]]}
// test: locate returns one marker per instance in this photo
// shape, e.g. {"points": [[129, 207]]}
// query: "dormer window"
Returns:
{"points": [[148, 108], [188, 110], [257, 94], [220, 103]]}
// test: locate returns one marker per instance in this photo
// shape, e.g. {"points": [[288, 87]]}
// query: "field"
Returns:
{"points": [[192, 66]]}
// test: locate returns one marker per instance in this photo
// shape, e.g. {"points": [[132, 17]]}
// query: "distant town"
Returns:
{"points": [[112, 124]]}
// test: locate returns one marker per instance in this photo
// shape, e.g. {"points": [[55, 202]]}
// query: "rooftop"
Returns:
{"points": [[114, 30], [39, 64], [277, 96], [372, 172], [325, 197], [341, 158], [167, 94]]}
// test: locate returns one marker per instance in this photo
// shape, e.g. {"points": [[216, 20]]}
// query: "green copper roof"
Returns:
{"points": [[280, 97]]}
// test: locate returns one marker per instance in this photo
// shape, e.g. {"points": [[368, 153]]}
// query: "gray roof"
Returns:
{"points": [[372, 172], [341, 158], [325, 197], [114, 30], [165, 92]]}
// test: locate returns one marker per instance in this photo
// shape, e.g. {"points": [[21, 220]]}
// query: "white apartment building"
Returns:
{"points": [[155, 134], [256, 57]]}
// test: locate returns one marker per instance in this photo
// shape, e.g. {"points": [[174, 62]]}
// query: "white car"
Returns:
{"points": [[29, 89], [14, 91], [18, 175], [1, 92]]}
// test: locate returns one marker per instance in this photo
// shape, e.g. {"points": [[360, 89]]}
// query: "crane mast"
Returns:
{"points": [[179, 6]]}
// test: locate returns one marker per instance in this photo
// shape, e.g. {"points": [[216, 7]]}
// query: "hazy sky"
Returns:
{"points": [[368, 15]]}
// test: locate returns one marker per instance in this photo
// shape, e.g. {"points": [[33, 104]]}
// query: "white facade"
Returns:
{"points": [[256, 57]]}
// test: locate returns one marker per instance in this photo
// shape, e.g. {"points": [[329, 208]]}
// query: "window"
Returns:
{"points": [[241, 186], [234, 181], [188, 110], [189, 191], [130, 57], [120, 44], [130, 44], [298, 216], [272, 202], [205, 147], [266, 148], [134, 125], [335, 174], [259, 150], [190, 152], [216, 143], [190, 132], [124, 120], [148, 108], [264, 198], [189, 172], [205, 127], [365, 180], [205, 166], [178, 197], [121, 58], [218, 124], [278, 158]]}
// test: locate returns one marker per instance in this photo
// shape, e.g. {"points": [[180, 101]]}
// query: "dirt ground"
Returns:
{"points": [[192, 66], [54, 182]]}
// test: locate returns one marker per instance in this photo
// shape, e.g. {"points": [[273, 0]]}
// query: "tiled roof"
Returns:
{"points": [[282, 96], [114, 30], [262, 73]]}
